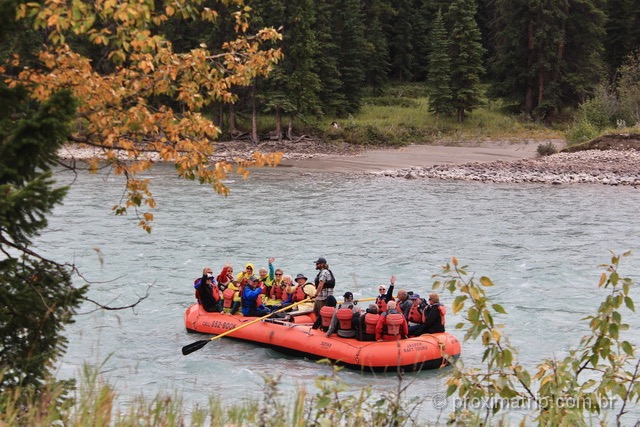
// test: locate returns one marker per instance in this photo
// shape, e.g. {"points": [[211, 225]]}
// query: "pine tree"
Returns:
{"points": [[332, 96], [547, 53], [37, 298], [466, 57], [401, 41], [438, 83], [349, 26], [377, 66], [619, 41]]}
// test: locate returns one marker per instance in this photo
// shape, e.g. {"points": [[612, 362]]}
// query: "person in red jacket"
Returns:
{"points": [[392, 325]]}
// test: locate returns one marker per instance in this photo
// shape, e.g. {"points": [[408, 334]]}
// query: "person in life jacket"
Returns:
{"points": [[415, 313], [277, 293], [391, 325], [326, 313], [402, 302], [325, 281], [367, 323], [267, 276], [230, 290], [209, 294], [345, 317], [251, 298], [433, 318], [244, 275], [385, 295], [205, 272]]}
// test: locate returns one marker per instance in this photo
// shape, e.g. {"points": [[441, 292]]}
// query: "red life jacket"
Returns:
{"points": [[415, 315], [298, 294], [214, 291], [326, 313], [277, 291], [345, 317], [394, 322], [381, 303], [370, 322], [443, 310]]}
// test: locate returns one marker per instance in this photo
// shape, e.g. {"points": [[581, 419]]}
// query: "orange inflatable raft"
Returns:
{"points": [[412, 354]]}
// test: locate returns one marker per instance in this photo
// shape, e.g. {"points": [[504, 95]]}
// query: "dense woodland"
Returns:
{"points": [[543, 58]]}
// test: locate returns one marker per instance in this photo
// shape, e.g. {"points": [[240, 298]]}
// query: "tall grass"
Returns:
{"points": [[94, 402]]}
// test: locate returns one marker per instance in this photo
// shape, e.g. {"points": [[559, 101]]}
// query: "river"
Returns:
{"points": [[541, 245]]}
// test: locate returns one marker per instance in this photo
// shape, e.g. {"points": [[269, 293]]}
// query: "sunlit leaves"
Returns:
{"points": [[115, 112]]}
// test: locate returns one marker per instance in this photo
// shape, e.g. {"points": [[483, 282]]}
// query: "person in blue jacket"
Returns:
{"points": [[251, 299]]}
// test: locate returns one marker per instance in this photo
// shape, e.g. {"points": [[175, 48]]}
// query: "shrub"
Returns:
{"points": [[547, 149]]}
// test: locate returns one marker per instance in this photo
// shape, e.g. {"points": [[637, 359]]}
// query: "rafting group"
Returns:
{"points": [[271, 292]]}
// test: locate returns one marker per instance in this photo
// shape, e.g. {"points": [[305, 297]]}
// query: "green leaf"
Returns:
{"points": [[451, 389], [499, 309], [627, 348], [629, 303], [485, 281]]}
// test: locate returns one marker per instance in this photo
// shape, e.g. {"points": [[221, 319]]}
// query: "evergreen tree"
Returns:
{"points": [[377, 66], [466, 57], [401, 43], [547, 53], [332, 96], [619, 40], [349, 26], [438, 83], [37, 298]]}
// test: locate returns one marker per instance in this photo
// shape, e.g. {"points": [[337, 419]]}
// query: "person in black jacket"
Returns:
{"points": [[433, 316], [209, 295]]}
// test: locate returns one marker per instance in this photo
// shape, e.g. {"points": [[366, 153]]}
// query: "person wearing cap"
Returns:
{"points": [[367, 322], [207, 293], [251, 299], [415, 314], [385, 295], [325, 282], [345, 317]]}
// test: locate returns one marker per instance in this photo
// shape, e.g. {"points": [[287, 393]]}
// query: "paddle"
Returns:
{"points": [[190, 348]]}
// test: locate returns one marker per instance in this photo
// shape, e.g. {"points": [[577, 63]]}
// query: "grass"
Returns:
{"points": [[94, 402], [400, 116]]}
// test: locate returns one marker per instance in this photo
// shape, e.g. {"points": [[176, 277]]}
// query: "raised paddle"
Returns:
{"points": [[190, 348]]}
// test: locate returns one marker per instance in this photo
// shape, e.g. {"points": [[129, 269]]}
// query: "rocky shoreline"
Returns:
{"points": [[610, 167], [595, 166]]}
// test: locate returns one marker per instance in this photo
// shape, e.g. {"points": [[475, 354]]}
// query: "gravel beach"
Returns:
{"points": [[499, 162]]}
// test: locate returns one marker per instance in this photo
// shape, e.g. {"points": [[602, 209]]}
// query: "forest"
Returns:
{"points": [[543, 59]]}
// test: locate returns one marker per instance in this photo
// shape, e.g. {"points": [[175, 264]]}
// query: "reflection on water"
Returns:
{"points": [[541, 246]]}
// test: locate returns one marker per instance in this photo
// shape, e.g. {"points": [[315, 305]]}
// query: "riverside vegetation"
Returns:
{"points": [[573, 390]]}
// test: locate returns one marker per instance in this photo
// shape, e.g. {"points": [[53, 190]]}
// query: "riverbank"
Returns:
{"points": [[494, 161]]}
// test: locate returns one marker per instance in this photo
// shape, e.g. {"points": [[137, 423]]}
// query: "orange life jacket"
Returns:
{"points": [[443, 310], [370, 322], [228, 295], [394, 322], [298, 294], [277, 292], [214, 291], [326, 313], [345, 317], [415, 315]]}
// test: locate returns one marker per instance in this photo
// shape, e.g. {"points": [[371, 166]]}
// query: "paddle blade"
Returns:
{"points": [[194, 346]]}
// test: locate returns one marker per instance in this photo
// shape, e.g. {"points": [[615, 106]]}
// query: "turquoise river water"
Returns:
{"points": [[541, 245]]}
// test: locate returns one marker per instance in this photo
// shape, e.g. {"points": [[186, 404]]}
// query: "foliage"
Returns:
{"points": [[440, 96], [118, 110], [466, 53], [561, 391], [37, 298], [629, 89], [547, 149], [95, 402]]}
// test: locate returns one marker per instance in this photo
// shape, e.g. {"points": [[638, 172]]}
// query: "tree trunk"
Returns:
{"points": [[232, 119], [279, 124], [254, 116], [290, 129]]}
